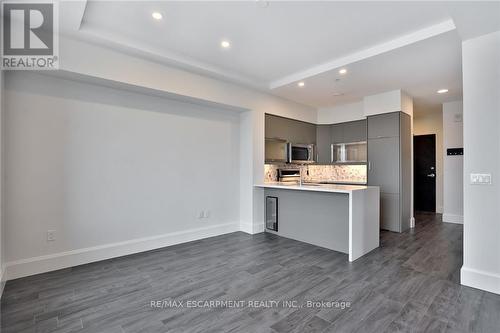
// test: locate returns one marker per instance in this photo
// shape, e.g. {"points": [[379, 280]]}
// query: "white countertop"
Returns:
{"points": [[333, 188], [341, 182]]}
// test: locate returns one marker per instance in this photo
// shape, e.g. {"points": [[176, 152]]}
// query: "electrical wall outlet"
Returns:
{"points": [[480, 178], [51, 235], [204, 214]]}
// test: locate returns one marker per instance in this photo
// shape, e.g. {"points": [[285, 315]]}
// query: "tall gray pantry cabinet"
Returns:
{"points": [[389, 167]]}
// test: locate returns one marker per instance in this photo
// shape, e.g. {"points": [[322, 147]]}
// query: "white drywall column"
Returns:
{"points": [[341, 113], [481, 79], [390, 101], [453, 166]]}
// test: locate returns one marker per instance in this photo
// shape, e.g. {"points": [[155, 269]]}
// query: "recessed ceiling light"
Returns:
{"points": [[225, 44], [338, 94], [301, 84], [343, 71], [157, 16], [442, 91]]}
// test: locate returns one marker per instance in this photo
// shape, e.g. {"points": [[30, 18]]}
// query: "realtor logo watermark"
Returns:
{"points": [[30, 39]]}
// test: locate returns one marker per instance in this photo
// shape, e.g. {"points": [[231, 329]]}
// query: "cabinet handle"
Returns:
{"points": [[369, 166]]}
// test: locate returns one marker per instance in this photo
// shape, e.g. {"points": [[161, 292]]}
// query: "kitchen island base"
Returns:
{"points": [[339, 218]]}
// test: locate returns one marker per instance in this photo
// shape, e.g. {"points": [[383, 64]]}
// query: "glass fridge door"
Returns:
{"points": [[272, 213]]}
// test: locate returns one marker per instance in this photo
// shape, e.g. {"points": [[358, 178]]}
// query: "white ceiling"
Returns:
{"points": [[267, 43], [415, 44], [420, 69]]}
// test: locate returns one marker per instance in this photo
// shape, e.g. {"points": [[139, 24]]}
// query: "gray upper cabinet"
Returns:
{"points": [[323, 140], [322, 135], [337, 133], [278, 127], [290, 130], [383, 125], [275, 127], [355, 131], [307, 133]]}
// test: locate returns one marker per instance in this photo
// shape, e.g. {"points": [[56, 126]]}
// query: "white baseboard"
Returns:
{"points": [[36, 265], [451, 218], [258, 228], [439, 209], [252, 228], [412, 222], [480, 279]]}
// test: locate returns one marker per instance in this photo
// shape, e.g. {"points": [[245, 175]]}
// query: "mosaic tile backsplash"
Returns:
{"points": [[320, 173]]}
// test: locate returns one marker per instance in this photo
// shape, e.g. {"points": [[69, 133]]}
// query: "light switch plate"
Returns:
{"points": [[480, 178]]}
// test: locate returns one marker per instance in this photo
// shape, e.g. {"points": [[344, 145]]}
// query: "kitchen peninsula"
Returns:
{"points": [[342, 218]]}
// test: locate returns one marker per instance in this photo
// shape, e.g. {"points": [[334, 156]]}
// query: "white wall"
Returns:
{"points": [[432, 123], [453, 201], [389, 101], [105, 67], [386, 102], [481, 102], [101, 63], [102, 166], [341, 113]]}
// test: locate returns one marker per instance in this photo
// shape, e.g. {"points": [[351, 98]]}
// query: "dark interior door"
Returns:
{"points": [[424, 159]]}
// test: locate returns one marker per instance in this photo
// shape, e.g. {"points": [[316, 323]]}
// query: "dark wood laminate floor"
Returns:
{"points": [[409, 284]]}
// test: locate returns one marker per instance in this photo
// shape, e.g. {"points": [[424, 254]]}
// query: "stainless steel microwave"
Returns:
{"points": [[301, 153]]}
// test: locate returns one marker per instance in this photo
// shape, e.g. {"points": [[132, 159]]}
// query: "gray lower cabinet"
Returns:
{"points": [[323, 141], [389, 212], [389, 167]]}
